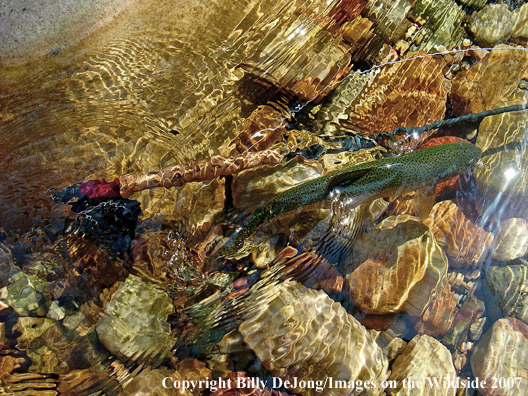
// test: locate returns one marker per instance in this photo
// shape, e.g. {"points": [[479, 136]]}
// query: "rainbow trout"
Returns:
{"points": [[387, 177]]}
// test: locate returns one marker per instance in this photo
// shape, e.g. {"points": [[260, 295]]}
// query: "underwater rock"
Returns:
{"points": [[53, 349], [302, 333], [357, 32], [520, 29], [300, 57], [397, 266], [331, 114], [495, 24], [470, 311], [474, 3], [85, 319], [194, 370], [500, 355], [6, 264], [403, 205], [440, 314], [389, 17], [511, 241], [134, 325], [232, 345], [424, 358], [441, 22], [24, 384], [28, 295], [487, 82], [492, 25], [261, 129], [465, 243], [189, 213], [336, 162], [346, 10], [508, 291], [108, 376], [56, 312], [418, 203], [411, 93], [502, 180]]}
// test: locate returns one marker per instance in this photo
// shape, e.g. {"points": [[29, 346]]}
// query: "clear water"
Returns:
{"points": [[172, 84]]}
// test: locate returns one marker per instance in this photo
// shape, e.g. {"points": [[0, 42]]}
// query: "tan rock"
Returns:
{"points": [[492, 25], [357, 32], [397, 266], [486, 82], [134, 325], [411, 93], [465, 243], [440, 314], [511, 241], [302, 333], [424, 359], [500, 356]]}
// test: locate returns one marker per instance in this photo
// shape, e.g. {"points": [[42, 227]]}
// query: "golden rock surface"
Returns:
{"points": [[134, 326], [253, 188], [442, 24], [465, 243], [485, 83], [511, 241], [520, 29], [310, 67], [357, 32], [53, 349], [411, 93], [503, 178], [501, 354], [423, 358], [389, 17], [261, 129], [397, 266], [492, 25], [439, 315], [495, 24], [300, 332]]}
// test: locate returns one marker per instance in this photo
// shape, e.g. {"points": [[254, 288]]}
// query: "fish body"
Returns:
{"points": [[386, 177]]}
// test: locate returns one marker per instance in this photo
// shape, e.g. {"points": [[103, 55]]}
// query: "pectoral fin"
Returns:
{"points": [[349, 218], [424, 200]]}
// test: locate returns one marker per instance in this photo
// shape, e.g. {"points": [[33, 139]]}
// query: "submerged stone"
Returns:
{"points": [[500, 356], [301, 333], [134, 326], [397, 266]]}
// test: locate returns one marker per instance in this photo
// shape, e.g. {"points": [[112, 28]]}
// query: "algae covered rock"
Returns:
{"points": [[134, 325]]}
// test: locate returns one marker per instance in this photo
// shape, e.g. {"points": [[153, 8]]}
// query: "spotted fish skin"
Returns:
{"points": [[387, 177]]}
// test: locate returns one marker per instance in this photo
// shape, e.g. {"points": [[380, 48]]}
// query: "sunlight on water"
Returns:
{"points": [[195, 191]]}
